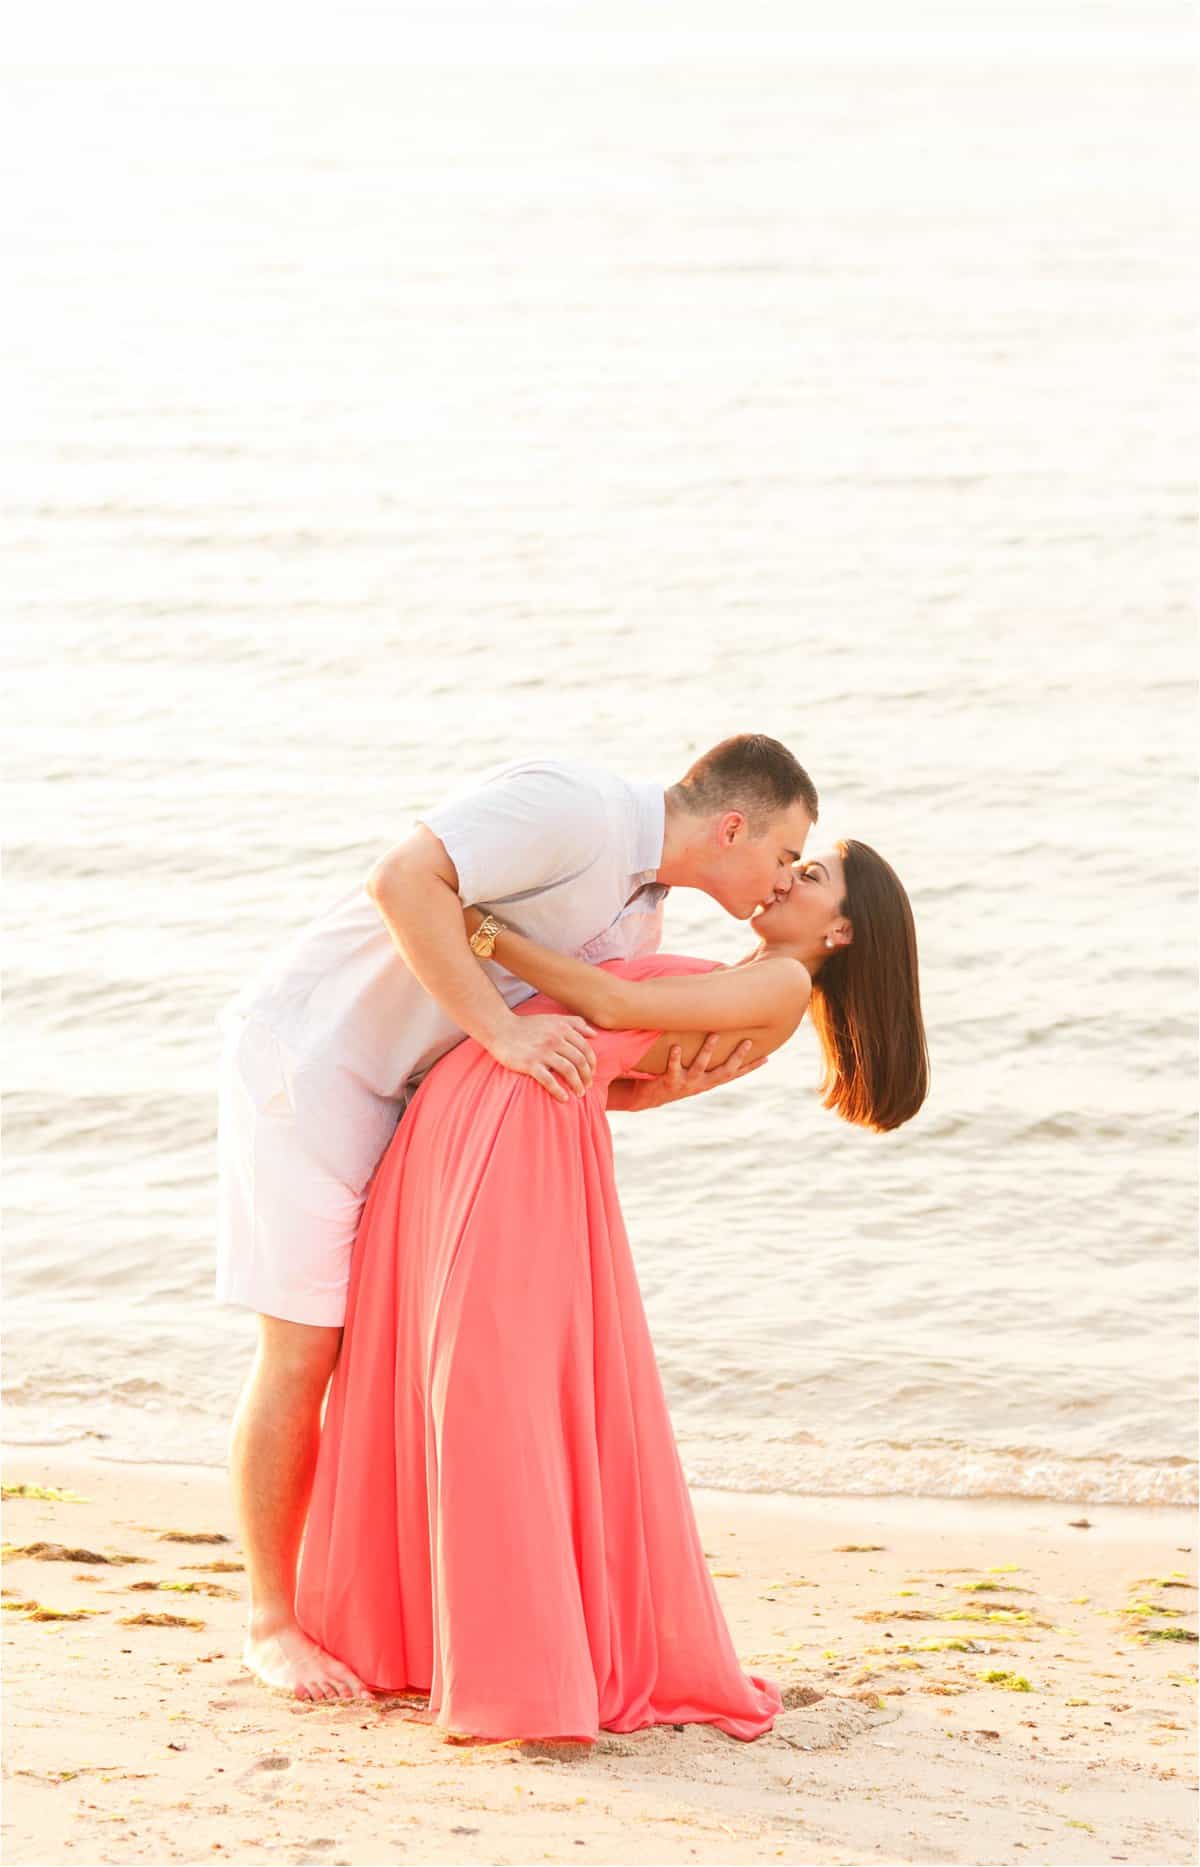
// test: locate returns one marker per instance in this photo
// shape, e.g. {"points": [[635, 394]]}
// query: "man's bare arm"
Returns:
{"points": [[415, 888]]}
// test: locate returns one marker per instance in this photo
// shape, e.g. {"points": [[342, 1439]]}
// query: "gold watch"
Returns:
{"points": [[483, 940]]}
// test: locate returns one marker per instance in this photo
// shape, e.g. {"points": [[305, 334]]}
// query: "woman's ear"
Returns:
{"points": [[842, 934]]}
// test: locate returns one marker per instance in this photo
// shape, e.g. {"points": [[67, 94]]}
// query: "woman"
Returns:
{"points": [[499, 1514]]}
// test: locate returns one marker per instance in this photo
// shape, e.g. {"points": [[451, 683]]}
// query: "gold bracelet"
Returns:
{"points": [[483, 940]]}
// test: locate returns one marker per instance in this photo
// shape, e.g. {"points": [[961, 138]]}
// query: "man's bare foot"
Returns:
{"points": [[285, 1659]]}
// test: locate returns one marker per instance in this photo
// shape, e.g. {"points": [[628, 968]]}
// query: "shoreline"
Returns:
{"points": [[873, 1614], [899, 1508]]}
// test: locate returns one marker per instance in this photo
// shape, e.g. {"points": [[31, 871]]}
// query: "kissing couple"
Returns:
{"points": [[417, 1200]]}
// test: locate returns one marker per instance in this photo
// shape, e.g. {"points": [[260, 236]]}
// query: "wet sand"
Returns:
{"points": [[967, 1682]]}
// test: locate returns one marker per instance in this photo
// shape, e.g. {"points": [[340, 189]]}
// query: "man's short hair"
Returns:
{"points": [[750, 773]]}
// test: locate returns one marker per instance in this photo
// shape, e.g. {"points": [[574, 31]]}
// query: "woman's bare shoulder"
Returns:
{"points": [[787, 976]]}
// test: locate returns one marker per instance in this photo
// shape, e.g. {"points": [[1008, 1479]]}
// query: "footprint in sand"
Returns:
{"points": [[831, 1725], [268, 1765], [797, 1695]]}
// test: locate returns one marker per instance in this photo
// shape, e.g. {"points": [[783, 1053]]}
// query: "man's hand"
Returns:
{"points": [[549, 1048], [675, 1082]]}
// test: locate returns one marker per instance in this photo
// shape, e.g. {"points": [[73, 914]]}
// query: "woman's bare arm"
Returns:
{"points": [[736, 998]]}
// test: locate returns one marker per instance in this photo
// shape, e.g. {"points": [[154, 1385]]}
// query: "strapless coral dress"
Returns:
{"points": [[500, 1517]]}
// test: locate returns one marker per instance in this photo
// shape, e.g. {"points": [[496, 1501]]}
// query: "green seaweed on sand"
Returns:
{"points": [[1169, 1633], [1011, 1682], [217, 1568], [1006, 1614], [857, 1549], [896, 1614], [192, 1536], [158, 1620], [185, 1588], [59, 1552], [37, 1611], [1140, 1609], [48, 1494], [976, 1588]]}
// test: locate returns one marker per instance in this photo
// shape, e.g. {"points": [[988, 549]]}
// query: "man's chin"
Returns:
{"points": [[738, 910]]}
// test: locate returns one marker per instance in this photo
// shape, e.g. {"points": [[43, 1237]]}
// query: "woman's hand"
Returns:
{"points": [[676, 1083]]}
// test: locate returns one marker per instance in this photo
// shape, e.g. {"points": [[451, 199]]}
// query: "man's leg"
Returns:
{"points": [[273, 1456]]}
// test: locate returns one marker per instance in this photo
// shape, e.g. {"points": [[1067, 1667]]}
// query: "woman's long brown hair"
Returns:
{"points": [[866, 1001]]}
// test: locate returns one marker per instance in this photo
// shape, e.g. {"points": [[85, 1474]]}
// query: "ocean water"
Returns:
{"points": [[372, 425]]}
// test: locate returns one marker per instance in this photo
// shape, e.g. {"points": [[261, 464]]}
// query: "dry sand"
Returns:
{"points": [[146, 1742]]}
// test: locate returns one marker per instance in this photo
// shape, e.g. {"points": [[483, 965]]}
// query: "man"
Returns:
{"points": [[326, 1045]]}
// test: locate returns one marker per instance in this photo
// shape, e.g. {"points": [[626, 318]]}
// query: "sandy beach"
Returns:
{"points": [[966, 1682]]}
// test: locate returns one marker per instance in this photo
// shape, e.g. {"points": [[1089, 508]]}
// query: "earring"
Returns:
{"points": [[828, 941]]}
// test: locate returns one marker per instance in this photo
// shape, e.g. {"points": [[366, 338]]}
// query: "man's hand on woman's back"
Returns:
{"points": [[553, 1049]]}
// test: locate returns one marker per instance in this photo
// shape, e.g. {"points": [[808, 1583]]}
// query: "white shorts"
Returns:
{"points": [[285, 1219]]}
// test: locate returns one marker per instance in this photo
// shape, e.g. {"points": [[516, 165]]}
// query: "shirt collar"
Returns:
{"points": [[649, 829]]}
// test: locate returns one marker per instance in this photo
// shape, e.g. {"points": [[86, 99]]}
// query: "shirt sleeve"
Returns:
{"points": [[526, 829]]}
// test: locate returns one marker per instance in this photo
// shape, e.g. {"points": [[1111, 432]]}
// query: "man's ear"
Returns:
{"points": [[730, 827]]}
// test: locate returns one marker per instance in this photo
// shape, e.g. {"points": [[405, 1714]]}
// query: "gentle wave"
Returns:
{"points": [[149, 1431]]}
